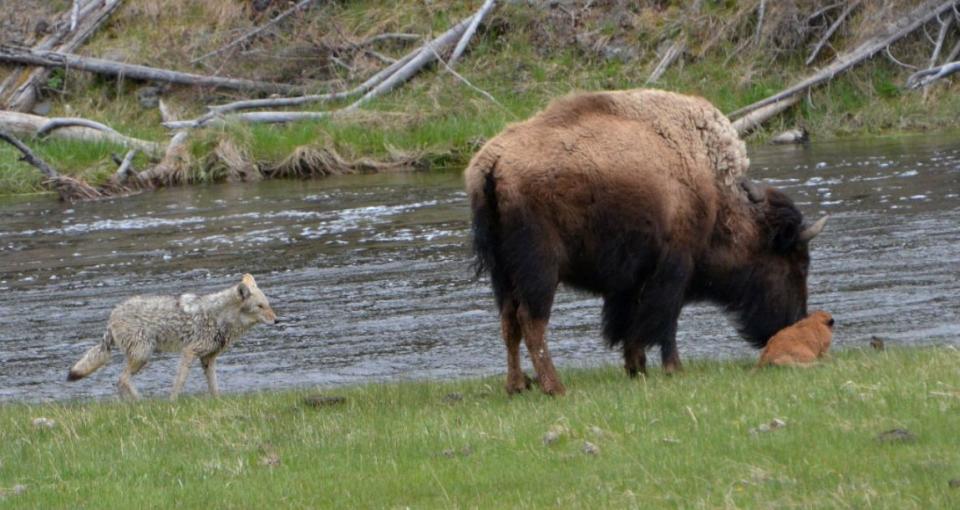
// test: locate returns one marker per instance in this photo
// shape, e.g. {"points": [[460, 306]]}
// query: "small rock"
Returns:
{"points": [[466, 451], [954, 484], [452, 398], [897, 435], [270, 456], [42, 108], [877, 343], [13, 491], [554, 434], [318, 401], [448, 453], [44, 423], [672, 440], [774, 424], [596, 431], [149, 96], [798, 135], [590, 448]]}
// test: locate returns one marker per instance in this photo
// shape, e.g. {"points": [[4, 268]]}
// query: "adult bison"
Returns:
{"points": [[638, 196]]}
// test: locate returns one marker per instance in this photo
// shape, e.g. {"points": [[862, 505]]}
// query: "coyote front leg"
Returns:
{"points": [[185, 361], [209, 370]]}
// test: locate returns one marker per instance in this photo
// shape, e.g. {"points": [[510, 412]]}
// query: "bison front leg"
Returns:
{"points": [[660, 303], [634, 360], [535, 335]]}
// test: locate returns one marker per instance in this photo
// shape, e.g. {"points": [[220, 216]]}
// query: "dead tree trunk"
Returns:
{"points": [[110, 68], [89, 19]]}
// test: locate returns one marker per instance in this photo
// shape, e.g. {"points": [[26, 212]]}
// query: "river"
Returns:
{"points": [[371, 274]]}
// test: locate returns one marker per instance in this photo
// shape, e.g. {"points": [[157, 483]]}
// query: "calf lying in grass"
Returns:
{"points": [[800, 344]]}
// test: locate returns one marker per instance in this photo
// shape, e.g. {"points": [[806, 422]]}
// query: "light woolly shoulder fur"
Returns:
{"points": [[694, 129]]}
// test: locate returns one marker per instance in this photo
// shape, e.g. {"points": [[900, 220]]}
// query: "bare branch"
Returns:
{"points": [[62, 122], [673, 52], [928, 76], [760, 11], [29, 156], [895, 61], [125, 171], [465, 40], [253, 33], [26, 124], [833, 28], [474, 87], [944, 27]]}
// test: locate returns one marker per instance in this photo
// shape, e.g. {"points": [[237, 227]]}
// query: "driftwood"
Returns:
{"points": [[125, 170], [253, 33], [756, 118], [20, 55], [468, 34], [912, 21], [833, 28], [25, 124], [87, 21], [928, 76], [70, 189], [167, 171]]}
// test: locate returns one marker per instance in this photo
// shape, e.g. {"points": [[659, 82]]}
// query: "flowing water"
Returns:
{"points": [[371, 276]]}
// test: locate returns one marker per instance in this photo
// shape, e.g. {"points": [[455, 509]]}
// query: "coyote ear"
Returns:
{"points": [[248, 279], [243, 290]]}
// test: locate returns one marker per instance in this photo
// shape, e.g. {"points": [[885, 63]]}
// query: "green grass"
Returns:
{"points": [[681, 442]]}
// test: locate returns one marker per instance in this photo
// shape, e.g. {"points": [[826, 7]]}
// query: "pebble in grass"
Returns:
{"points": [[774, 424], [44, 423], [453, 398], [318, 401], [897, 436], [954, 484], [554, 434], [590, 448], [16, 490]]}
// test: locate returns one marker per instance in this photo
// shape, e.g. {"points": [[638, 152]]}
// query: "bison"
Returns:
{"points": [[639, 196]]}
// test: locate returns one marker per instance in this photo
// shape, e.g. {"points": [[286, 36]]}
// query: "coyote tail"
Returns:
{"points": [[96, 357]]}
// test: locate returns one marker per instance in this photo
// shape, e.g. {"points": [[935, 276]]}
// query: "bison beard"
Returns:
{"points": [[635, 196]]}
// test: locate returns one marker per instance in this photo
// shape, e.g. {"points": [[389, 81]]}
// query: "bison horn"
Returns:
{"points": [[754, 192], [812, 231]]}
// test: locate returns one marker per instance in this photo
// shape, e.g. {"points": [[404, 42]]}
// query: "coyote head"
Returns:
{"points": [[254, 305]]}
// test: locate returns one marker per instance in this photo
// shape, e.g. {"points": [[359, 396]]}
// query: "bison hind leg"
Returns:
{"points": [[517, 380]]}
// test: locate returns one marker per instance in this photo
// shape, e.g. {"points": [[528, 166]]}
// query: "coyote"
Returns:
{"points": [[197, 326]]}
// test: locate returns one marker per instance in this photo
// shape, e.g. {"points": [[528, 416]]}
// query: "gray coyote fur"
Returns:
{"points": [[197, 326]]}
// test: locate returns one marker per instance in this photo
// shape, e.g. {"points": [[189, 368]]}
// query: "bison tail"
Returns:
{"points": [[487, 231]]}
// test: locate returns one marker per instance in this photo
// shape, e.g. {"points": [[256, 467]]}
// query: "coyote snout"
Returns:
{"points": [[197, 326]]}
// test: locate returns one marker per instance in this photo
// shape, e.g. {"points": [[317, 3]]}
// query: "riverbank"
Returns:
{"points": [[701, 439], [525, 54]]}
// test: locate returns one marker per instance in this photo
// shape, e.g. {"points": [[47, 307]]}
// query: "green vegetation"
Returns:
{"points": [[682, 441], [524, 56]]}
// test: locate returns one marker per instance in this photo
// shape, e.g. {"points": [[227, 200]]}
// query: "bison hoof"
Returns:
{"points": [[518, 385], [671, 368], [554, 389]]}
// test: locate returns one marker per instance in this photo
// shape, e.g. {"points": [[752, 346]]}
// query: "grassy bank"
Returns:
{"points": [[526, 54], [684, 442]]}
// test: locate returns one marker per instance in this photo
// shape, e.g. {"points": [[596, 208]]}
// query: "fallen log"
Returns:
{"points": [[928, 76], [20, 55], [25, 124], [756, 118], [912, 21], [88, 19], [673, 52]]}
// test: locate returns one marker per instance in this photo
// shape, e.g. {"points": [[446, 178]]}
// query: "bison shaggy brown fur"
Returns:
{"points": [[637, 196], [800, 344]]}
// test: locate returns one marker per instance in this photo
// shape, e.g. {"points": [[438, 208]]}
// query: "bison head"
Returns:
{"points": [[773, 283]]}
